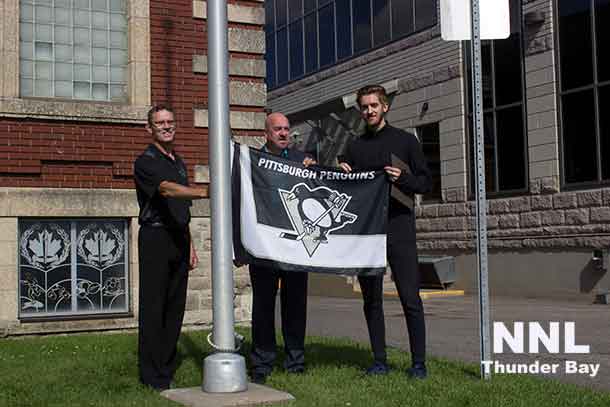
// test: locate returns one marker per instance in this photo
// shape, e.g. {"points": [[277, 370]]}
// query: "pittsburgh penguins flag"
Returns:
{"points": [[314, 219]]}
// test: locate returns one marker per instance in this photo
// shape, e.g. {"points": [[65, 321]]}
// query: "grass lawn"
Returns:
{"points": [[101, 370]]}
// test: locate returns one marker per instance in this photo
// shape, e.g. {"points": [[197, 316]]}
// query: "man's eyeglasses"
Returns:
{"points": [[166, 124]]}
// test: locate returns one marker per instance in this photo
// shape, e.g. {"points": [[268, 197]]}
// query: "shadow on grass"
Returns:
{"points": [[192, 351], [319, 352]]}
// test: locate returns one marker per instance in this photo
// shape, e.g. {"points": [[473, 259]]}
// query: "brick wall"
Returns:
{"points": [[73, 154], [80, 162]]}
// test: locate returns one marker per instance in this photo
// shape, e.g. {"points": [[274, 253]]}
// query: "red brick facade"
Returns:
{"points": [[72, 154]]}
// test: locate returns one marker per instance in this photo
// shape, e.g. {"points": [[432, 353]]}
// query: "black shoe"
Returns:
{"points": [[417, 371], [378, 368], [160, 388], [259, 377], [296, 370]]}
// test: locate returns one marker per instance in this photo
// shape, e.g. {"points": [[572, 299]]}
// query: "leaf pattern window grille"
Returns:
{"points": [[73, 267]]}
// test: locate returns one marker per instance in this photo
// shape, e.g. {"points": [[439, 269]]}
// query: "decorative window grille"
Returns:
{"points": [[73, 267]]}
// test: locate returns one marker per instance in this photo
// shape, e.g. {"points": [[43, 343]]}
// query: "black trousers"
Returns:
{"points": [[164, 259], [402, 256], [293, 301]]}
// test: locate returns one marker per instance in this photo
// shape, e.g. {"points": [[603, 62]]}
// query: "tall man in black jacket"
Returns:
{"points": [[265, 282], [374, 150]]}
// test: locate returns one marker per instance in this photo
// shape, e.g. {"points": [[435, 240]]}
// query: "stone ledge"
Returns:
{"points": [[72, 110], [248, 41], [239, 120], [71, 202], [237, 66], [235, 13]]}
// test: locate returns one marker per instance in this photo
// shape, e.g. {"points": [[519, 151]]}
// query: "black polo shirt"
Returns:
{"points": [[150, 169]]}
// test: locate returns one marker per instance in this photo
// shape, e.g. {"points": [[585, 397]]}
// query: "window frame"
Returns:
{"points": [[419, 130], [594, 86], [470, 142], [71, 65], [275, 84], [75, 314], [139, 92]]}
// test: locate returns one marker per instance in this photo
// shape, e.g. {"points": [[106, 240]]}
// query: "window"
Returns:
{"points": [[584, 89], [49, 58], [72, 267], [73, 49], [304, 36], [428, 135], [504, 123]]}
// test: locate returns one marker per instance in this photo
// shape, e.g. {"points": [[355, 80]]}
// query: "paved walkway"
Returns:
{"points": [[453, 331]]}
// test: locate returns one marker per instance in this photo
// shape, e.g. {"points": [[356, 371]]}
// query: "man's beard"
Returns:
{"points": [[380, 118]]}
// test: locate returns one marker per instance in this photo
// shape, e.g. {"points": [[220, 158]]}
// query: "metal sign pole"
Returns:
{"points": [[224, 371], [477, 125]]}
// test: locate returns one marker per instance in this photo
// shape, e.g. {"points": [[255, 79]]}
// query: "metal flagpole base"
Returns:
{"points": [[224, 373]]}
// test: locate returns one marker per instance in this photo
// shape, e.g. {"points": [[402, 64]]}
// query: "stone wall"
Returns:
{"points": [[62, 203], [565, 220]]}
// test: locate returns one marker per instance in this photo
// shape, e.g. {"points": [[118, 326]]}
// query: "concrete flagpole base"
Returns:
{"points": [[254, 395]]}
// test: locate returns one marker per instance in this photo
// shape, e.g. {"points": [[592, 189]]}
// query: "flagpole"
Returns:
{"points": [[481, 206], [225, 370]]}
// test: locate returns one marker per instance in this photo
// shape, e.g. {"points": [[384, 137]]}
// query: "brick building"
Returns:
{"points": [[76, 81], [545, 92]]}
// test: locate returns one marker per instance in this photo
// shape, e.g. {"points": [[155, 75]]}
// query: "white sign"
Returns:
{"points": [[455, 19]]}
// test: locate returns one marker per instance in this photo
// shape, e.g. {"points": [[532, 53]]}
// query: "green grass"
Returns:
{"points": [[101, 370]]}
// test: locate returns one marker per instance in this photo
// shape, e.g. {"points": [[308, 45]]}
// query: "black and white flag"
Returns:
{"points": [[307, 219]]}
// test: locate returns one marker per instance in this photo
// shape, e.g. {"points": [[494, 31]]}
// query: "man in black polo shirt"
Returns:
{"points": [[166, 252], [374, 150]]}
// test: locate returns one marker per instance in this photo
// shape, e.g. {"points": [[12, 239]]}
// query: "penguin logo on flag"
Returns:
{"points": [[314, 213]]}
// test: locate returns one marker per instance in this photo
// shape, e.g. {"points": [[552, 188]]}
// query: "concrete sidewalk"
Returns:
{"points": [[453, 329]]}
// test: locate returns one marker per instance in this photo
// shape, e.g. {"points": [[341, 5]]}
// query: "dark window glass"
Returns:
{"points": [[402, 18], [579, 146], [425, 13], [381, 21], [602, 28], [362, 25], [344, 29], [269, 16], [575, 43], [510, 142], [504, 127], [310, 5], [486, 75], [281, 11], [429, 139], [282, 53], [326, 23], [507, 66], [311, 43], [489, 151], [604, 130], [295, 9], [270, 59], [296, 49], [468, 69]]}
